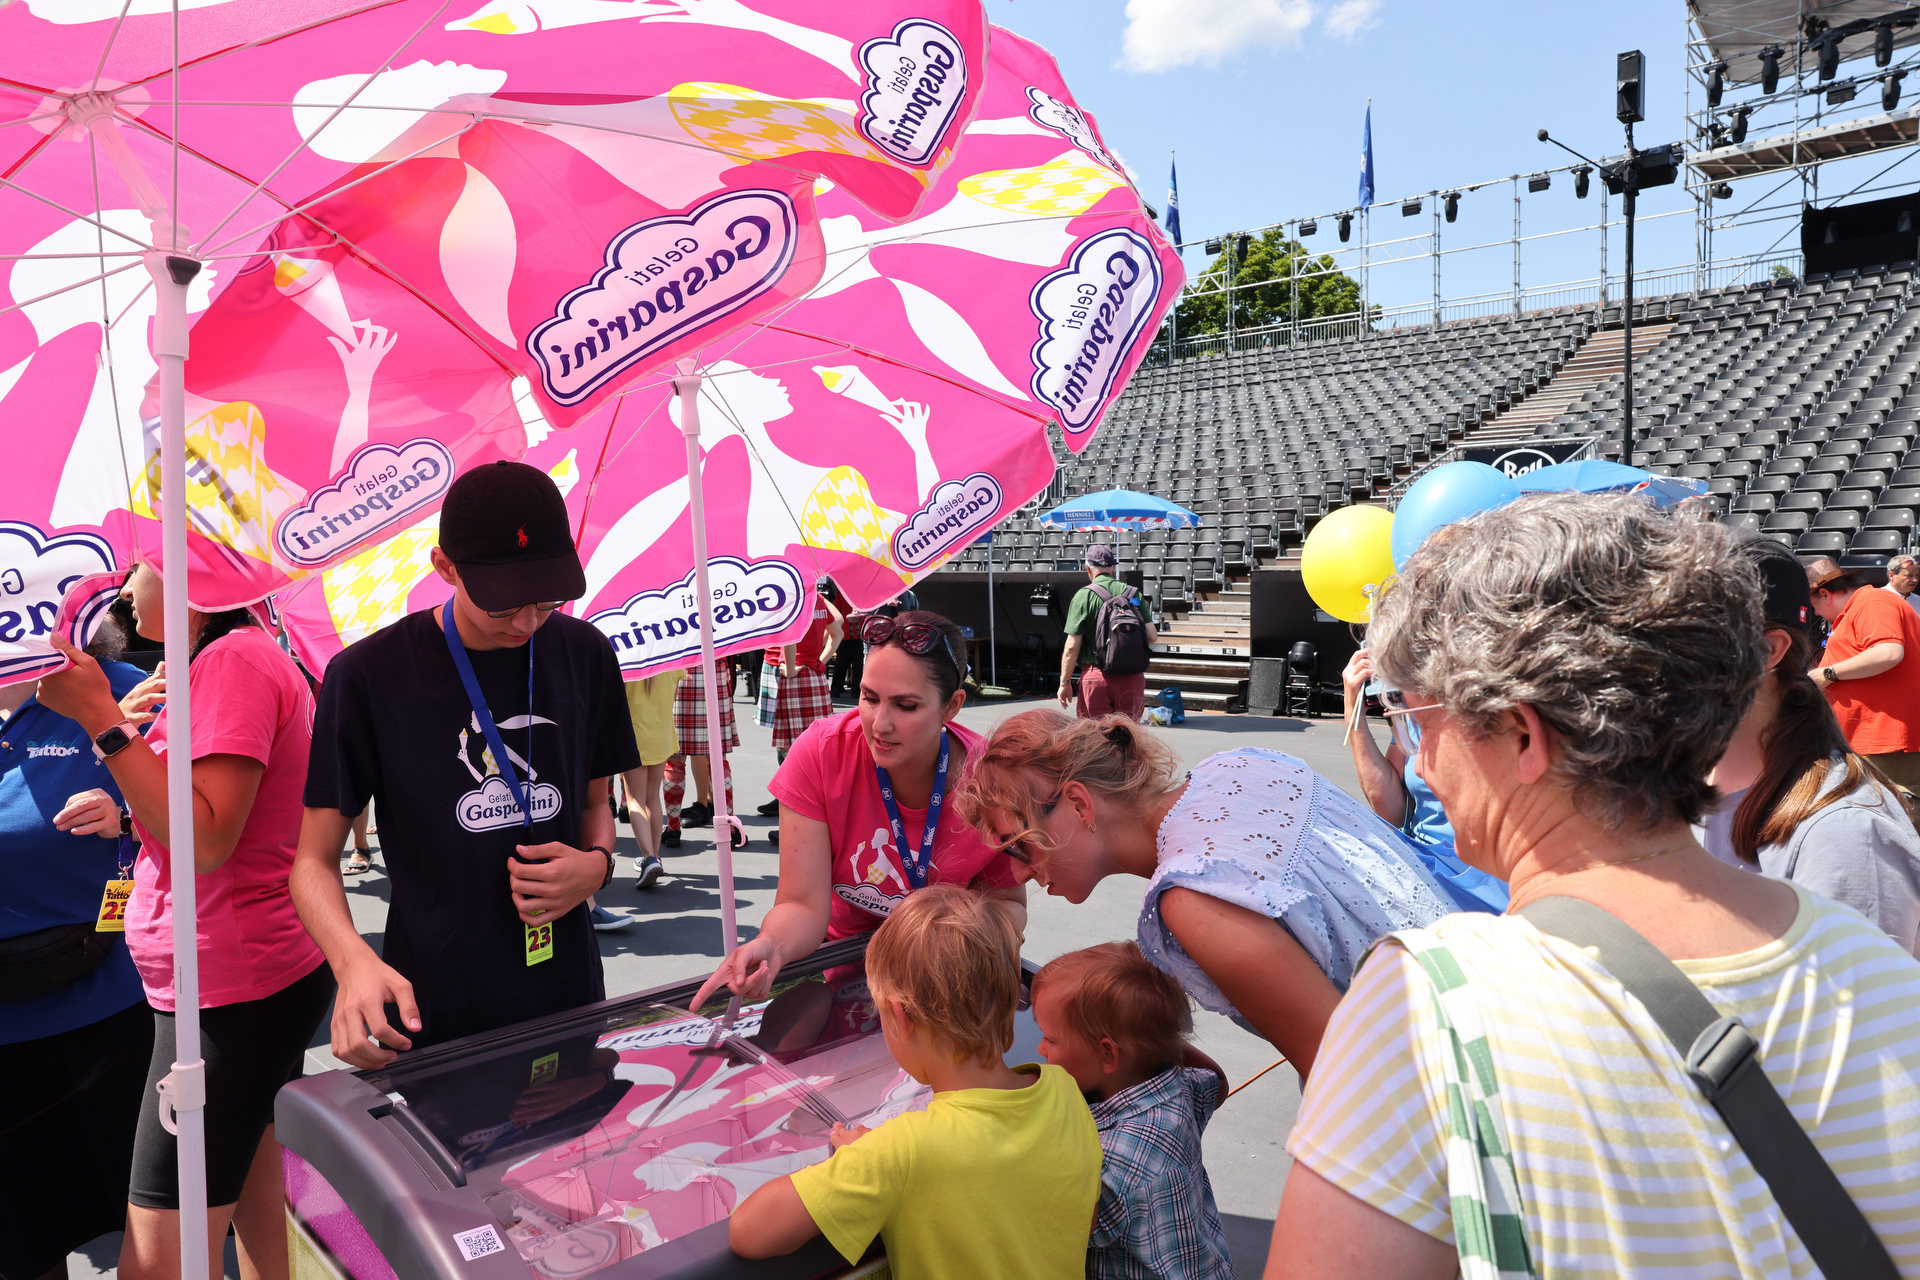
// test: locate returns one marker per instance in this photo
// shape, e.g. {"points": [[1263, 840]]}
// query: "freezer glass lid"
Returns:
{"points": [[592, 1146]]}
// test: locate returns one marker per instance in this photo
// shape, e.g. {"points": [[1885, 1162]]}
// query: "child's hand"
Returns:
{"points": [[842, 1135]]}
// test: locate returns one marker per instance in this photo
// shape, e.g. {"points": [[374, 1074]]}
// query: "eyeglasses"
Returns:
{"points": [[917, 638], [1401, 720], [1017, 849], [544, 607]]}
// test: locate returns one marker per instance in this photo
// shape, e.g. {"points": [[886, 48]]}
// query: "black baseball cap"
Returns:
{"points": [[505, 526], [1789, 602]]}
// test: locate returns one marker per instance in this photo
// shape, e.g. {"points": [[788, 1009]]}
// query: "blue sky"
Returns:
{"points": [[1263, 100]]}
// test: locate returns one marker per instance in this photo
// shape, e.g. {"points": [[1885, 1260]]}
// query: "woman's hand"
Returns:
{"points": [[81, 692], [138, 705], [841, 1135], [1354, 679], [749, 972], [91, 813]]}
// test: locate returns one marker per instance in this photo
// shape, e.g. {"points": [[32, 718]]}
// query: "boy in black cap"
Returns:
{"points": [[460, 720]]}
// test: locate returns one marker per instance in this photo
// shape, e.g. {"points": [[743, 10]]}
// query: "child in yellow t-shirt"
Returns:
{"points": [[1000, 1174]]}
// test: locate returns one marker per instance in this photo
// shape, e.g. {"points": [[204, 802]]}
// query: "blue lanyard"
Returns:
{"points": [[917, 868], [485, 717]]}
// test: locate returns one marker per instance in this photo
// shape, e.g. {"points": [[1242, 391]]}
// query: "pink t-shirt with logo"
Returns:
{"points": [[248, 700], [829, 777]]}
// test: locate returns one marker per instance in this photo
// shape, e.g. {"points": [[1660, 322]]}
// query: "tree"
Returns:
{"points": [[1272, 263]]}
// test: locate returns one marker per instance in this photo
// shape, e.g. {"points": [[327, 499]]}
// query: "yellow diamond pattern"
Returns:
{"points": [[756, 126], [1065, 186], [841, 515], [233, 496], [369, 591]]}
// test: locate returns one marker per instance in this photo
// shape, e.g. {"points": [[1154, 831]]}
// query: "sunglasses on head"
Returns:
{"points": [[547, 606], [917, 638]]}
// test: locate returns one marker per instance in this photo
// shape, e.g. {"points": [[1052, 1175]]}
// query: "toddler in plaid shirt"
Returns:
{"points": [[1119, 1026]]}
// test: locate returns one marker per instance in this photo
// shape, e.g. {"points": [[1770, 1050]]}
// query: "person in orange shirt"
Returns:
{"points": [[1872, 635]]}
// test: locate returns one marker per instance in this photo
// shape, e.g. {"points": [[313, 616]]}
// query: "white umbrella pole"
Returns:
{"points": [[993, 663], [183, 1091], [687, 386]]}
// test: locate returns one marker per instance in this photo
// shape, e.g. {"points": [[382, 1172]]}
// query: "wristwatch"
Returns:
{"points": [[114, 739], [1829, 674], [609, 855]]}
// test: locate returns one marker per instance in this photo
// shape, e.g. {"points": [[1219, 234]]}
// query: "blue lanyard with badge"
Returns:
{"points": [[539, 936], [916, 868]]}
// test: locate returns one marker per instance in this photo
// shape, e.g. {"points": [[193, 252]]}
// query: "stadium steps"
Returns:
{"points": [[1597, 360], [1207, 650]]}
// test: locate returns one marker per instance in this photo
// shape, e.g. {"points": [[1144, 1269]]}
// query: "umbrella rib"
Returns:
{"points": [[71, 213], [106, 319], [217, 54], [113, 35], [73, 284], [307, 140], [726, 410], [855, 347], [329, 193]]}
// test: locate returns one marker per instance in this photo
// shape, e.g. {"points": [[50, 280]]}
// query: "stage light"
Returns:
{"points": [[1890, 89], [1738, 133], [1829, 55], [1883, 44], [1841, 93], [1716, 83], [1770, 68], [1309, 227], [1904, 222], [1240, 244], [1346, 226], [1723, 191], [1453, 205], [1580, 175], [1214, 246], [1539, 182], [1040, 601], [1630, 73], [1409, 207]]}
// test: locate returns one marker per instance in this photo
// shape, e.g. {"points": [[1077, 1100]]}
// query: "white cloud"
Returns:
{"points": [[1164, 34], [1350, 17]]}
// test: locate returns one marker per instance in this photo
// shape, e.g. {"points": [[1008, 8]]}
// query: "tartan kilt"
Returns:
{"points": [[801, 700], [763, 711], [690, 715]]}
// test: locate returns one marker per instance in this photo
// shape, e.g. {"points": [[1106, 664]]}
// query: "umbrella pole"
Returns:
{"points": [[687, 387], [993, 662]]}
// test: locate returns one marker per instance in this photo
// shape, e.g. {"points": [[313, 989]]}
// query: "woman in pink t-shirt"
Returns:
{"points": [[263, 984], [843, 867]]}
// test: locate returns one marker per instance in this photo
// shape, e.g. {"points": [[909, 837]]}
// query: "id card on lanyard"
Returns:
{"points": [[539, 936], [916, 867], [113, 902]]}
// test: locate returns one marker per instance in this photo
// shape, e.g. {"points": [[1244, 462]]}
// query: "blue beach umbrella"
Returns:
{"points": [[1597, 475], [1119, 509]]}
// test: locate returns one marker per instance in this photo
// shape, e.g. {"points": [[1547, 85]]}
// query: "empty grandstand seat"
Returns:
{"points": [[1891, 518], [1829, 542], [1883, 542], [1838, 518], [1794, 522]]}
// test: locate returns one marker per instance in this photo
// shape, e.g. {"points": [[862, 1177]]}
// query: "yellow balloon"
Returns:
{"points": [[1347, 558]]}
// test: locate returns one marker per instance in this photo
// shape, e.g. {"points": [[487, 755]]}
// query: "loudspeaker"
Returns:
{"points": [[1266, 684], [1630, 73]]}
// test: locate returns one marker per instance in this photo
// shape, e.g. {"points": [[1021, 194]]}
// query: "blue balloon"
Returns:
{"points": [[1443, 495]]}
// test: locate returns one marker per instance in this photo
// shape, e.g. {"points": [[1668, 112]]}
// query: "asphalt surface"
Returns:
{"points": [[676, 936]]}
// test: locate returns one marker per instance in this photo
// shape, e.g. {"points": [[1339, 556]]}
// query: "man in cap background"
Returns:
{"points": [[1101, 692], [1864, 673], [488, 920]]}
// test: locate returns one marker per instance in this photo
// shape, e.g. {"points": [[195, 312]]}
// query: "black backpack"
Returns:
{"points": [[1119, 634]]}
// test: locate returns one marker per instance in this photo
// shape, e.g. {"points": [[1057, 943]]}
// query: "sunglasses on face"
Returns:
{"points": [[543, 607], [917, 638], [1017, 849]]}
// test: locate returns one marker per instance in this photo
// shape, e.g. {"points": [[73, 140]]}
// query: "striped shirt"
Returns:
{"points": [[1623, 1168]]}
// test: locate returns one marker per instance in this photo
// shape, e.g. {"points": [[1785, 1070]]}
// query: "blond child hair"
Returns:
{"points": [[952, 960]]}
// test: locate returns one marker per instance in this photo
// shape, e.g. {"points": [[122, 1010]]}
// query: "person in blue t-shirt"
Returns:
{"points": [[1395, 790], [75, 1030]]}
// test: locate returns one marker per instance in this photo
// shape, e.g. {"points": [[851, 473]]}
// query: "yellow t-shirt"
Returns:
{"points": [[984, 1183]]}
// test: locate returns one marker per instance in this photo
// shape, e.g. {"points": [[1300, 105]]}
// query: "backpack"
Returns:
{"points": [[1119, 634]]}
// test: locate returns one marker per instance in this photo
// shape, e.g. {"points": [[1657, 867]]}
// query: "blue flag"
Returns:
{"points": [[1173, 202], [1366, 160]]}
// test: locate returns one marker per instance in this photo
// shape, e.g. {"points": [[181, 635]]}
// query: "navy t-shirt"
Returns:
{"points": [[393, 724], [54, 877]]}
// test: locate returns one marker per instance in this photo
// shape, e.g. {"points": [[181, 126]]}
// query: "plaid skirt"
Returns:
{"points": [[788, 706], [690, 713]]}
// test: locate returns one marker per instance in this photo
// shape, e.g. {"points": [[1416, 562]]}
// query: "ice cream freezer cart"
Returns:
{"points": [[611, 1140]]}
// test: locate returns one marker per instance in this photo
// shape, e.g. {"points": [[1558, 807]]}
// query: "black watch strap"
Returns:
{"points": [[609, 855]]}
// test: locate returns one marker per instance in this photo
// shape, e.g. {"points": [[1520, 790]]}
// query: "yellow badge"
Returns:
{"points": [[539, 943], [545, 1070], [113, 907]]}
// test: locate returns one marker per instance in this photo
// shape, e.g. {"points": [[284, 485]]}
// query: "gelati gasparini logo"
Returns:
{"points": [[382, 487], [1091, 312], [750, 601], [36, 570], [664, 278], [916, 80], [955, 514]]}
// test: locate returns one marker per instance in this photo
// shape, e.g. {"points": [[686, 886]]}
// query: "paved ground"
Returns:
{"points": [[677, 936]]}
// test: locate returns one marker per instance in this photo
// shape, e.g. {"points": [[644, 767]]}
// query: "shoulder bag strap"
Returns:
{"points": [[1722, 1058]]}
